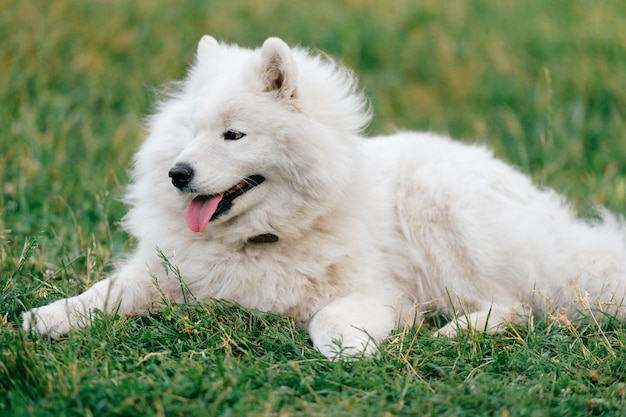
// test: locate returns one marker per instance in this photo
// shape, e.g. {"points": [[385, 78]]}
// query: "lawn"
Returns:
{"points": [[543, 83]]}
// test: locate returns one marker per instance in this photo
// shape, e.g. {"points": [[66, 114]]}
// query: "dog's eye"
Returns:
{"points": [[233, 135]]}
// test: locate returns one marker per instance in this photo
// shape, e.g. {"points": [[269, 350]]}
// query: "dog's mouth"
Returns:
{"points": [[206, 208]]}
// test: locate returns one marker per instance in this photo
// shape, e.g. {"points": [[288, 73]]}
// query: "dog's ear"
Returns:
{"points": [[278, 69], [205, 46]]}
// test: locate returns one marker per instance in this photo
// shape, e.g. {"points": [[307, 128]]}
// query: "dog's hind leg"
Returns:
{"points": [[492, 319]]}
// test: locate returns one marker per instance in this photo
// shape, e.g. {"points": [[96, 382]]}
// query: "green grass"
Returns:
{"points": [[543, 83]]}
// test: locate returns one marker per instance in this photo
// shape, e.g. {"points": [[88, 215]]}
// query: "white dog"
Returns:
{"points": [[255, 182]]}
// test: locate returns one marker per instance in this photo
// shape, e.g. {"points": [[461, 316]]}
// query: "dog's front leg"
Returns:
{"points": [[352, 325], [130, 290]]}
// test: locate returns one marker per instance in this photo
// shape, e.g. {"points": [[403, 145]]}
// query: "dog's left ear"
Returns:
{"points": [[278, 69]]}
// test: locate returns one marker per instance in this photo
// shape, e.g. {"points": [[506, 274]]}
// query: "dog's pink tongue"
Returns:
{"points": [[200, 211]]}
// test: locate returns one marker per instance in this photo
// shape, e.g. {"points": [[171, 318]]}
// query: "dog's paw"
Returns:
{"points": [[53, 320], [347, 347], [449, 330], [352, 326], [492, 321]]}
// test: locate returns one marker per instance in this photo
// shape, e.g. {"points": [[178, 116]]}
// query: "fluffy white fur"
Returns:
{"points": [[372, 232]]}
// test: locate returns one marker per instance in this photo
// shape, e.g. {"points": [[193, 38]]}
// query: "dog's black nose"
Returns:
{"points": [[181, 175]]}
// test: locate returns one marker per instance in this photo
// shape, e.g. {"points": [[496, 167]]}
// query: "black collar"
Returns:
{"points": [[263, 238]]}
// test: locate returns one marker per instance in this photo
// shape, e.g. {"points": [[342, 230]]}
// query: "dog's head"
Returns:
{"points": [[265, 135]]}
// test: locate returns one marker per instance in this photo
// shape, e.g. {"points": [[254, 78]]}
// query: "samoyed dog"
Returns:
{"points": [[255, 182]]}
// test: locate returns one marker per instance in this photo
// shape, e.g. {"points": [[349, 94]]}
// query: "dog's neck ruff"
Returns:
{"points": [[263, 238]]}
